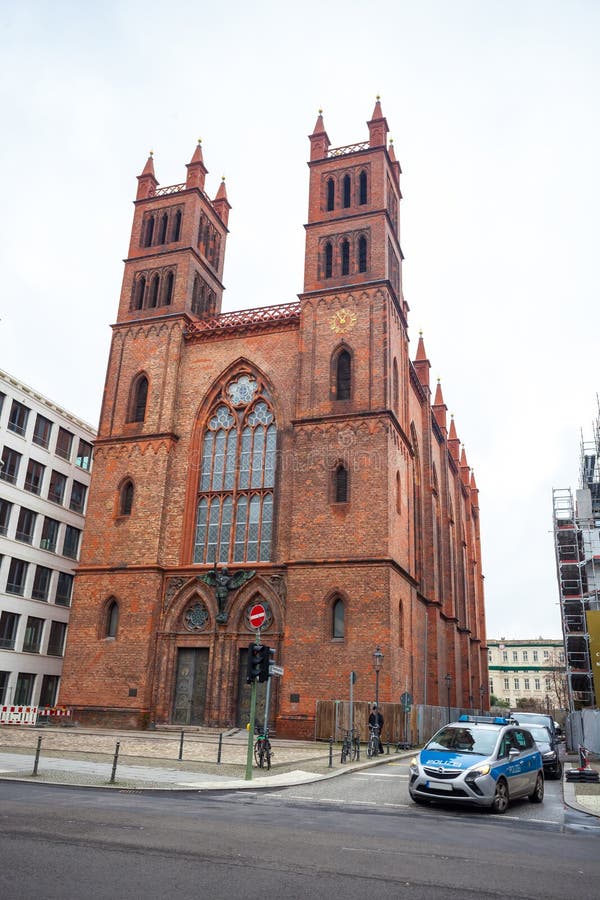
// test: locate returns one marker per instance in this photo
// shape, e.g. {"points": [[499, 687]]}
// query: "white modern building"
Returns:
{"points": [[528, 670], [45, 464]]}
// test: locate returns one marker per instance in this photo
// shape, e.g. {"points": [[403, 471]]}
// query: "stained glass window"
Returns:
{"points": [[234, 521]]}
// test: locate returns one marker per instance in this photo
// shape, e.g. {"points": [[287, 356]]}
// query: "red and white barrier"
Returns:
{"points": [[18, 715], [54, 711]]}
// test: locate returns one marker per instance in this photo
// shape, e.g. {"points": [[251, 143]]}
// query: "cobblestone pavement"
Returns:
{"points": [[151, 759]]}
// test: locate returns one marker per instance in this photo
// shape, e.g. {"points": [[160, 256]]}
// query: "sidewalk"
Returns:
{"points": [[149, 760]]}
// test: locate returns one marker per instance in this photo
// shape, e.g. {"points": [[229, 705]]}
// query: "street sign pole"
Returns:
{"points": [[251, 732], [268, 696]]}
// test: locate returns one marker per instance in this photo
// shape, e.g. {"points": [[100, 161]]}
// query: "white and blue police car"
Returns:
{"points": [[483, 760]]}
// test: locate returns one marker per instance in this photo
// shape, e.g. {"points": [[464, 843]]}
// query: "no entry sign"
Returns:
{"points": [[257, 615]]}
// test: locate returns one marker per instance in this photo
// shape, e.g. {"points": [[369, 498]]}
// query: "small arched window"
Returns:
{"points": [[162, 234], [343, 381], [347, 187], [395, 386], [177, 226], [168, 292], [330, 194], [398, 493], [362, 188], [400, 625], [362, 254], [340, 484], [328, 260], [139, 400], [149, 231], [337, 619], [112, 619], [138, 294], [126, 499], [345, 258], [154, 285]]}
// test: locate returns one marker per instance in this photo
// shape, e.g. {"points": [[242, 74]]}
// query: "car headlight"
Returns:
{"points": [[549, 755], [413, 767], [478, 772]]}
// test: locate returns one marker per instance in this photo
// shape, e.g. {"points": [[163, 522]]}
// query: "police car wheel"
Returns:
{"points": [[420, 801], [538, 792], [500, 801]]}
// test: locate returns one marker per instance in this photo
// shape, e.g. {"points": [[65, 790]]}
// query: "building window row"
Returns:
{"points": [[33, 483], [24, 689], [343, 191], [209, 241], [16, 582], [344, 255], [33, 635], [18, 421], [163, 227], [204, 299], [153, 288]]}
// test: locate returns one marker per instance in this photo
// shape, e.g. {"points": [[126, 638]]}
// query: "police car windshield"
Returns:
{"points": [[465, 740]]}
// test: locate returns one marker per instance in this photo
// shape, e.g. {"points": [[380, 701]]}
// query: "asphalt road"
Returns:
{"points": [[349, 836]]}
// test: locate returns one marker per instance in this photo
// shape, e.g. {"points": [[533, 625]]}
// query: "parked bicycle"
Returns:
{"points": [[373, 745], [350, 746], [263, 751]]}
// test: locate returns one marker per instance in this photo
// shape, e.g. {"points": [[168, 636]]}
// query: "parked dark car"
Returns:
{"points": [[548, 747], [529, 718]]}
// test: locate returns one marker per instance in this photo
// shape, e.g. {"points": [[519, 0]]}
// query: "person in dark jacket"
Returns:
{"points": [[377, 719]]}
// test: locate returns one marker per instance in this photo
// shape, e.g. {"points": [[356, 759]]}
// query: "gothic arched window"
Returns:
{"points": [[345, 258], [234, 519], [139, 398], [328, 260], [347, 185], [340, 484], [337, 618], [330, 194], [149, 231], [168, 292], [112, 619], [138, 292], [343, 376], [362, 188], [177, 226], [162, 234], [154, 285], [362, 254], [126, 498]]}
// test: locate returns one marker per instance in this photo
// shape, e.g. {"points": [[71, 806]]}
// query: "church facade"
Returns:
{"points": [[291, 455]]}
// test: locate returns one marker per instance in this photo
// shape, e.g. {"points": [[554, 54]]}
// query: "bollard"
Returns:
{"points": [[330, 753], [181, 745], [37, 756], [114, 766], [219, 750]]}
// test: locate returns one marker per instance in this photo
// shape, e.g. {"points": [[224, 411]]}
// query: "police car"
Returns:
{"points": [[478, 759]]}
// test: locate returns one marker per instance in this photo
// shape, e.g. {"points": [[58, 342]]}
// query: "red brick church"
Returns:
{"points": [[292, 455]]}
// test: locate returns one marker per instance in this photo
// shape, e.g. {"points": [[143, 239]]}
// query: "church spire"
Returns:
{"points": [[147, 181], [197, 171], [421, 363], [378, 127], [221, 203], [439, 408], [319, 141]]}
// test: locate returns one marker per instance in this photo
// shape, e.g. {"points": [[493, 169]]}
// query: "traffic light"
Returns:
{"points": [[259, 657]]}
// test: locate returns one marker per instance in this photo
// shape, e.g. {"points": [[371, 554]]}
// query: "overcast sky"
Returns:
{"points": [[493, 107]]}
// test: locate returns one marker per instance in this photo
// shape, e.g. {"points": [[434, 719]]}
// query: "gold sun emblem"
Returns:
{"points": [[343, 320]]}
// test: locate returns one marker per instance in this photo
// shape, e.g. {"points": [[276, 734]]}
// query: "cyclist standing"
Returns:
{"points": [[376, 720]]}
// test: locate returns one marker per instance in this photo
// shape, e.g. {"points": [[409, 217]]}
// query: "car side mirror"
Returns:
{"points": [[513, 752]]}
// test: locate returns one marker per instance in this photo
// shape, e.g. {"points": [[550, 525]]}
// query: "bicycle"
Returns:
{"points": [[350, 746], [263, 751], [373, 745]]}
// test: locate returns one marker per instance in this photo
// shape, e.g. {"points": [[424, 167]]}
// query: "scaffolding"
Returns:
{"points": [[577, 547]]}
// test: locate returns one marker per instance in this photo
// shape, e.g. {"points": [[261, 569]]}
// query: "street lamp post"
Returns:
{"points": [[448, 680], [377, 664], [481, 695]]}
